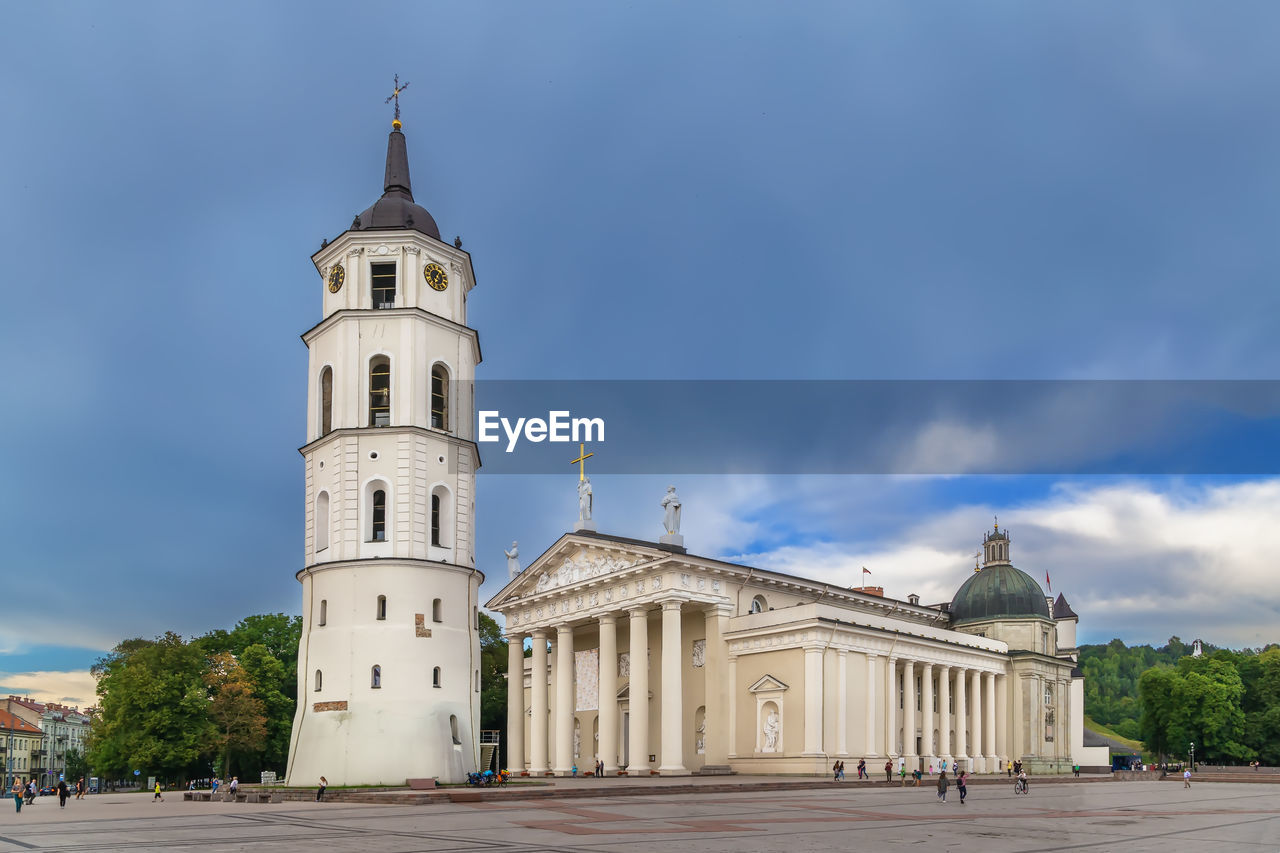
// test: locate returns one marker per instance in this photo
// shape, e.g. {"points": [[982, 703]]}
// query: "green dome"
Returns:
{"points": [[998, 591]]}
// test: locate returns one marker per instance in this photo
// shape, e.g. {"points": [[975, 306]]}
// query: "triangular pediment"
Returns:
{"points": [[574, 559], [767, 684]]}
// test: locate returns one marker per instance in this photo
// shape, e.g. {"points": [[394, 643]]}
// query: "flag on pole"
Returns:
{"points": [[1047, 581]]}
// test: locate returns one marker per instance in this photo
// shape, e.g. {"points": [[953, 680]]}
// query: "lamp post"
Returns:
{"points": [[1193, 757]]}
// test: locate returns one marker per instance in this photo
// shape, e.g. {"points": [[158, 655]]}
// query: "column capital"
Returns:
{"points": [[671, 603], [564, 628], [515, 640], [539, 633], [608, 618], [639, 610], [926, 666], [721, 609]]}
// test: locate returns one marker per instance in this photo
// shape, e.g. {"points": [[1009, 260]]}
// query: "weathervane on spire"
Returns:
{"points": [[395, 96], [996, 517]]}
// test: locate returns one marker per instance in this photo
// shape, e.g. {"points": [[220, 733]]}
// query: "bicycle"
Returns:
{"points": [[1020, 786]]}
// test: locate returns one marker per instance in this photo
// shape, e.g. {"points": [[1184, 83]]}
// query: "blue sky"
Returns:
{"points": [[651, 191]]}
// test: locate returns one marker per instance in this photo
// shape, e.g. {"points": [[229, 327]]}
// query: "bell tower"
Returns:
{"points": [[388, 664]]}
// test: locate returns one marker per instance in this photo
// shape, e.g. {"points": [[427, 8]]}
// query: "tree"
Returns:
{"points": [[154, 710], [239, 715], [493, 681], [77, 766], [270, 681], [1157, 688]]}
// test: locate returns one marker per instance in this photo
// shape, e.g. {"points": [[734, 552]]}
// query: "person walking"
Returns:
{"points": [[234, 787], [63, 793], [842, 770], [862, 769], [943, 784], [888, 771], [80, 788], [158, 795], [961, 786], [17, 794], [1075, 770], [1186, 778], [324, 783], [835, 772], [1011, 768]]}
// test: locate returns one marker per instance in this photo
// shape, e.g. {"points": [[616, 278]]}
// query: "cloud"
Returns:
{"points": [[77, 687]]}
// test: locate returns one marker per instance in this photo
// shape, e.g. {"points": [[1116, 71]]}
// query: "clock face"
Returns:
{"points": [[436, 276], [337, 276]]}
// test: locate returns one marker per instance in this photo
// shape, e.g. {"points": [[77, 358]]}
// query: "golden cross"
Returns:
{"points": [[581, 461], [395, 96]]}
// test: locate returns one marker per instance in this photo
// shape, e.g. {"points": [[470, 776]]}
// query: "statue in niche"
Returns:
{"points": [[671, 504], [772, 728], [699, 652], [700, 741], [513, 559], [577, 739], [624, 665], [584, 499]]}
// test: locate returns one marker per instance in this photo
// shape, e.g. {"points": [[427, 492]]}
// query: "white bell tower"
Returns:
{"points": [[388, 666]]}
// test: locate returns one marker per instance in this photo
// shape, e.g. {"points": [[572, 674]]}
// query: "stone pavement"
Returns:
{"points": [[1134, 816]]}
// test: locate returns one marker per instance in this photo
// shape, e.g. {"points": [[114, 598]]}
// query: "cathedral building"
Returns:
{"points": [[656, 660], [388, 664]]}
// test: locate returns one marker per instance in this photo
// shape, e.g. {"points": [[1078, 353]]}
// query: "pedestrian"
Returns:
{"points": [[835, 772], [1075, 770], [17, 795], [961, 786], [842, 770], [888, 771], [324, 783], [157, 796], [1186, 778], [943, 784], [63, 793], [862, 769], [234, 786], [575, 770], [917, 774], [31, 792], [902, 775], [1011, 769], [216, 782]]}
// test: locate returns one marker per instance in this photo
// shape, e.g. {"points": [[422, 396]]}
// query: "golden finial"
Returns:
{"points": [[997, 518], [395, 96]]}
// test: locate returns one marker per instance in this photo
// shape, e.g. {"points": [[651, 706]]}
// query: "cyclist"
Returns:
{"points": [[1020, 786]]}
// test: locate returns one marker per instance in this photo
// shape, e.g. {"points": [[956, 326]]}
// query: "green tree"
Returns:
{"points": [[493, 680], [1157, 688], [154, 710], [77, 767], [270, 680]]}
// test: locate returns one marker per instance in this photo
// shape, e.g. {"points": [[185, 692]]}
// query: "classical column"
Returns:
{"points": [[871, 710], [672, 693], [717, 733], [891, 707], [1002, 719], [944, 713], [842, 702], [909, 712], [564, 700], [962, 738], [989, 717], [927, 715], [732, 734], [975, 726], [515, 702], [538, 702], [813, 700], [638, 728], [608, 699]]}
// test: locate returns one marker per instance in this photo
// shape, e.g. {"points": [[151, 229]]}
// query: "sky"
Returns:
{"points": [[1057, 191]]}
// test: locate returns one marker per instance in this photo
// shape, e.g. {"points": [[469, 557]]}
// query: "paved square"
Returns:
{"points": [[1133, 816]]}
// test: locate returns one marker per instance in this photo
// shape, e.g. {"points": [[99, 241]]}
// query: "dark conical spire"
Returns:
{"points": [[396, 208], [397, 176]]}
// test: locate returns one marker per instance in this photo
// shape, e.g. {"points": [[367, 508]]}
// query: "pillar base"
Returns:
{"points": [[638, 770], [674, 771]]}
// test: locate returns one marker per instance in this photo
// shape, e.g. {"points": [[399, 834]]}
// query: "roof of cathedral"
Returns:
{"points": [[396, 208], [999, 590], [1062, 610]]}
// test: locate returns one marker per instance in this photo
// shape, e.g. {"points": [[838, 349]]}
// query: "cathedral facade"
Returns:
{"points": [[655, 660]]}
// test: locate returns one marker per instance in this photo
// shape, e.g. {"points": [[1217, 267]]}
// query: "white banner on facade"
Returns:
{"points": [[586, 676]]}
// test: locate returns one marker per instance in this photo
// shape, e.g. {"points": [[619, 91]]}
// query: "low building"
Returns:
{"points": [[20, 747], [63, 729]]}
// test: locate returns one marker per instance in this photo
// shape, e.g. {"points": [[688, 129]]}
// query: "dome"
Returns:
{"points": [[396, 208], [998, 591]]}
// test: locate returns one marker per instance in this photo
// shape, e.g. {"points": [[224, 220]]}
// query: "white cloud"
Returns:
{"points": [[77, 687]]}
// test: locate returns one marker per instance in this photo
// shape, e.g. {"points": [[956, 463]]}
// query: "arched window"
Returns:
{"points": [[326, 401], [441, 517], [375, 677], [319, 680], [379, 531], [440, 397], [453, 728], [382, 607], [324, 611], [759, 605], [435, 677], [382, 281], [380, 392], [322, 521], [436, 611]]}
